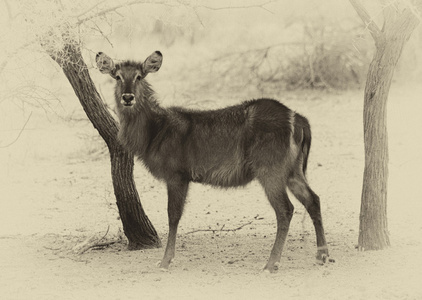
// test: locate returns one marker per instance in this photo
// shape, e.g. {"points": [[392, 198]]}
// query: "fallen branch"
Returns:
{"points": [[95, 241], [85, 245], [221, 229]]}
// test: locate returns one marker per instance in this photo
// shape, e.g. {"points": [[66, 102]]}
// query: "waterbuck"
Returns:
{"points": [[258, 139]]}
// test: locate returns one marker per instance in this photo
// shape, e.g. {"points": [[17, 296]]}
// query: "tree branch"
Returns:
{"points": [[161, 2], [71, 61], [367, 20], [89, 9], [9, 11], [114, 8]]}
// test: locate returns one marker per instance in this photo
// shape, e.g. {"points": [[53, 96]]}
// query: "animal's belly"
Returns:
{"points": [[227, 175]]}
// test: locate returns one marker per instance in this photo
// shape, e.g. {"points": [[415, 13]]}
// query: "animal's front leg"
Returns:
{"points": [[177, 192]]}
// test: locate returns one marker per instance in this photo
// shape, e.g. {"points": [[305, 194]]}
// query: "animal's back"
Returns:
{"points": [[221, 146]]}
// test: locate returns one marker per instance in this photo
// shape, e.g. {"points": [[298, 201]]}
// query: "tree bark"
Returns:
{"points": [[136, 225], [399, 24]]}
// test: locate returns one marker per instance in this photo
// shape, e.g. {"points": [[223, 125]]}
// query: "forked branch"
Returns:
{"points": [[367, 20]]}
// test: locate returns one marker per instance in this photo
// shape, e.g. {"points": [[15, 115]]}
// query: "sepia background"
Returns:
{"points": [[55, 183]]}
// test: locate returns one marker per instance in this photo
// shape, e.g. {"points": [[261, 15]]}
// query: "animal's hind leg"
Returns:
{"points": [[277, 195], [301, 190], [176, 200]]}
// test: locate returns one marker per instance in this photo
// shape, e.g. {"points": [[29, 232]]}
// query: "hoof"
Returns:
{"points": [[164, 266], [324, 258], [272, 269]]}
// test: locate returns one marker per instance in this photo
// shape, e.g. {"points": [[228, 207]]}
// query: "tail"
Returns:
{"points": [[302, 136]]}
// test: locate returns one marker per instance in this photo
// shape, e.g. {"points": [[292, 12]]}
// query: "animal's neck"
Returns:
{"points": [[136, 131]]}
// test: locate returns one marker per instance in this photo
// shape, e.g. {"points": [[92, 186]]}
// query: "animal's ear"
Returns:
{"points": [[104, 63], [153, 62]]}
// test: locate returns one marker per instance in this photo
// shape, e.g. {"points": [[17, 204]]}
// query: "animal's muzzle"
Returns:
{"points": [[128, 99]]}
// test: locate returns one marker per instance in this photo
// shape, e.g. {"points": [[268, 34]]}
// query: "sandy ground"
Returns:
{"points": [[56, 192]]}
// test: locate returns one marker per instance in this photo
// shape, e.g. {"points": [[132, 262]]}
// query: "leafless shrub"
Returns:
{"points": [[330, 56]]}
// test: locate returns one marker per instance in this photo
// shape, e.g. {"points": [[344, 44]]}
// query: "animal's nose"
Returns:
{"points": [[128, 97]]}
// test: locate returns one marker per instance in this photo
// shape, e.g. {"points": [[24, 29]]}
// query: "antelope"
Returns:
{"points": [[258, 139]]}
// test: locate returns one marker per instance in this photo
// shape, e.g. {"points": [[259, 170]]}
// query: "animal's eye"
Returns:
{"points": [[118, 77], [138, 77]]}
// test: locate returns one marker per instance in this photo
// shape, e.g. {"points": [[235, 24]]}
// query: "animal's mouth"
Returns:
{"points": [[128, 104]]}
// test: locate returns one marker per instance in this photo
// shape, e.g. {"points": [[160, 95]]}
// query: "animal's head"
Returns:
{"points": [[129, 76]]}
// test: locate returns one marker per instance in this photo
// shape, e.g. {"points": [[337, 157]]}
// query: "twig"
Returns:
{"points": [[20, 132], [257, 50], [198, 17], [108, 228], [262, 6], [221, 229], [104, 36], [52, 249]]}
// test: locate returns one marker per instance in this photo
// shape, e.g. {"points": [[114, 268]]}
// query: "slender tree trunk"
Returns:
{"points": [[373, 229], [136, 225], [399, 23]]}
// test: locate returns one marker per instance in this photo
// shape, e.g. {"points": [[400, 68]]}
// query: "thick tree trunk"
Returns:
{"points": [[136, 225], [398, 26]]}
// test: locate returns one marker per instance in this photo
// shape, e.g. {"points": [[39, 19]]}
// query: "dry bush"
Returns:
{"points": [[329, 56], [333, 56]]}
